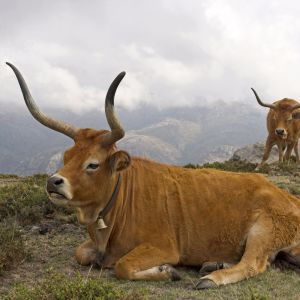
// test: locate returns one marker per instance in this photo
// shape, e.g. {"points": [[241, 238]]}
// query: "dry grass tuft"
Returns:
{"points": [[12, 246]]}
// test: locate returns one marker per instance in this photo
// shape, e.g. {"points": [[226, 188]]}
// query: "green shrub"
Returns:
{"points": [[8, 176], [12, 246], [229, 165], [192, 166], [59, 287], [288, 167], [26, 200]]}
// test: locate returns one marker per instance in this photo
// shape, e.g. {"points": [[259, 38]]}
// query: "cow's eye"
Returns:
{"points": [[92, 166]]}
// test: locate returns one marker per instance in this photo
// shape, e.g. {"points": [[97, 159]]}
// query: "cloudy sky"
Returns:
{"points": [[175, 52]]}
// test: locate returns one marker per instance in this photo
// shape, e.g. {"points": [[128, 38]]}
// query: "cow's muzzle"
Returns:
{"points": [[58, 189], [281, 132]]}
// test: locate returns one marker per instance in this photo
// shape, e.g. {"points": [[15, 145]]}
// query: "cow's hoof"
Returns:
{"points": [[175, 276], [205, 284], [98, 260], [173, 273]]}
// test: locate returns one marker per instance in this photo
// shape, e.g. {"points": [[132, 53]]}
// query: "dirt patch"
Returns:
{"points": [[51, 245]]}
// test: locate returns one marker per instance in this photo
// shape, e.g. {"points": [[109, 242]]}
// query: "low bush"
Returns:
{"points": [[229, 165], [26, 200], [59, 286], [288, 167], [12, 246]]}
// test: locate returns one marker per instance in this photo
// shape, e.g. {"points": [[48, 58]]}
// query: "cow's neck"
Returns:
{"points": [[128, 206], [100, 229], [109, 205]]}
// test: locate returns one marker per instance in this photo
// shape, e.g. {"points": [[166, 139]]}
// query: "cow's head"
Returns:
{"points": [[283, 113], [91, 166]]}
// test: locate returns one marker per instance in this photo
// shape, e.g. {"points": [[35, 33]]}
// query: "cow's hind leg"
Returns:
{"points": [[295, 253], [146, 262], [254, 260], [87, 254]]}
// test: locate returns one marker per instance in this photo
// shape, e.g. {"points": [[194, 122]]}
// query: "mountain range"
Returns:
{"points": [[178, 136]]}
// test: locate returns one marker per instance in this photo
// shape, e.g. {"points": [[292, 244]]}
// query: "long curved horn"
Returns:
{"points": [[117, 132], [296, 106], [56, 125], [260, 102]]}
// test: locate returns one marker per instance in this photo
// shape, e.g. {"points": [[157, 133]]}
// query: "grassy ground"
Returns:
{"points": [[37, 243]]}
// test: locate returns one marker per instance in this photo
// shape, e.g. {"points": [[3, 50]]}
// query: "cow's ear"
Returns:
{"points": [[296, 115], [119, 161]]}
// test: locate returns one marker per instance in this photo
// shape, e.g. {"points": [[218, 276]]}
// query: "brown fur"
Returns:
{"points": [[282, 116], [165, 215], [172, 215]]}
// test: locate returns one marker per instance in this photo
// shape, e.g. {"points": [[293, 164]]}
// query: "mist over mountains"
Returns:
{"points": [[175, 135]]}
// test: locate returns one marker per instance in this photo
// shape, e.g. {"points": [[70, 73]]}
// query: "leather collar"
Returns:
{"points": [[109, 205]]}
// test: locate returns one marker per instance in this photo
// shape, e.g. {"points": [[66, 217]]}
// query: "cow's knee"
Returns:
{"points": [[123, 271], [87, 254], [163, 272], [147, 263]]}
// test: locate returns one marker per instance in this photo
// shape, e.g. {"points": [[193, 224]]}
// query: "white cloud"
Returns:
{"points": [[175, 52]]}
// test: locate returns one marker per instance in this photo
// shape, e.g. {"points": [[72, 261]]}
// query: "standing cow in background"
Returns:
{"points": [[158, 216], [283, 124]]}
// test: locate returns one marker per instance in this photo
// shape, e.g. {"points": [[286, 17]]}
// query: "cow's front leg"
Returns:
{"points": [[296, 152], [280, 151], [269, 144], [87, 253], [259, 247], [288, 151], [146, 262]]}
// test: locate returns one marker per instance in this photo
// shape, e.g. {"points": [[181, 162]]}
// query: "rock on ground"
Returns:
{"points": [[253, 153]]}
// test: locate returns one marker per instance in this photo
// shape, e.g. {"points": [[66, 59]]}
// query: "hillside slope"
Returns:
{"points": [[177, 135], [38, 241]]}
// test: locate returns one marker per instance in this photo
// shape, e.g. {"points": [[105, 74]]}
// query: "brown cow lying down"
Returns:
{"points": [[159, 216]]}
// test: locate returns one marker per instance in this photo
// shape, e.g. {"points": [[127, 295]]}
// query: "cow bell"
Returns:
{"points": [[101, 224]]}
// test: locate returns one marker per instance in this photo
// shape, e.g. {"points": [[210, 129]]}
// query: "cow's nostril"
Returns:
{"points": [[55, 184], [280, 131], [59, 181]]}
